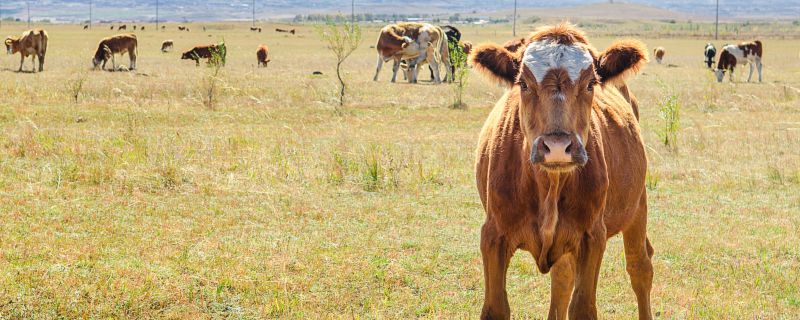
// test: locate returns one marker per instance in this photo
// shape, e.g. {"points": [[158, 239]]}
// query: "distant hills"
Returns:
{"points": [[212, 10]]}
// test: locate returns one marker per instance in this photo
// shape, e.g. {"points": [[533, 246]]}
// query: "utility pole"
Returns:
{"points": [[716, 28], [157, 15], [254, 13], [90, 14], [29, 13], [352, 16], [514, 32]]}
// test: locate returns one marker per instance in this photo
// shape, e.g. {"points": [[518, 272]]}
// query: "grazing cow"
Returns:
{"points": [[167, 46], [163, 27], [118, 44], [410, 41], [122, 27], [744, 53], [85, 27], [142, 28], [514, 44], [281, 30], [253, 29], [112, 27], [181, 28], [292, 31], [710, 52], [134, 27], [262, 54], [204, 52], [658, 52], [561, 167], [32, 43]]}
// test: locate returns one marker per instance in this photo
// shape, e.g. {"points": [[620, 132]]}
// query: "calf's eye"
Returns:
{"points": [[523, 86]]}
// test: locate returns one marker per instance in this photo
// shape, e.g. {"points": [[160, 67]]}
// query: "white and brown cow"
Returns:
{"points": [[31, 43], [560, 169], [410, 41], [743, 53]]}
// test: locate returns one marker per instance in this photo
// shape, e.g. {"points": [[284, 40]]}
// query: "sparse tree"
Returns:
{"points": [[342, 40]]}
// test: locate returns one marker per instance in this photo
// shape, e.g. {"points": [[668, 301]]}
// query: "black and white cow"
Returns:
{"points": [[710, 52]]}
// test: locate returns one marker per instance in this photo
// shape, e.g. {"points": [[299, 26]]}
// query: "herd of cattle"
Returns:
{"points": [[745, 53], [34, 43], [410, 45]]}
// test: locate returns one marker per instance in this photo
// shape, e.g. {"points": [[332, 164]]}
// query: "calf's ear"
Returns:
{"points": [[496, 62], [620, 60]]}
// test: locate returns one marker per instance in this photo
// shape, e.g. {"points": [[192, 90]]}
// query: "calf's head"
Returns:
{"points": [[554, 81]]}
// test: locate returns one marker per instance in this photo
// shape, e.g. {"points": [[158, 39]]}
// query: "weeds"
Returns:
{"points": [[75, 86], [669, 112], [213, 78]]}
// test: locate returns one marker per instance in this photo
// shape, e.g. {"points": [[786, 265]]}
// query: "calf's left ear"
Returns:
{"points": [[620, 60], [496, 62]]}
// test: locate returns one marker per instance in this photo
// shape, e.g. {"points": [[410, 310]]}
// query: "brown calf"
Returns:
{"points": [[118, 44], [659, 52], [262, 54], [203, 52], [560, 168], [32, 43]]}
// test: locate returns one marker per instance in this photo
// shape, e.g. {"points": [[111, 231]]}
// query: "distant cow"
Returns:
{"points": [[163, 27], [281, 30], [118, 44], [142, 28], [744, 53], [85, 27], [122, 27], [112, 27], [710, 52], [292, 31], [262, 54], [560, 168], [658, 52], [253, 28], [181, 28], [32, 43], [204, 52], [134, 27], [466, 46], [167, 46]]}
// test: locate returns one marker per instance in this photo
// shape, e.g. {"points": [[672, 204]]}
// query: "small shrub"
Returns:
{"points": [[213, 79], [461, 75], [75, 87], [669, 112]]}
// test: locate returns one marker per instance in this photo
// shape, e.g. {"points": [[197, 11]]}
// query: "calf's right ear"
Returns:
{"points": [[496, 62]]}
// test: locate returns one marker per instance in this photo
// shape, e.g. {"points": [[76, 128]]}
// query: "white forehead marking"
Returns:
{"points": [[543, 55]]}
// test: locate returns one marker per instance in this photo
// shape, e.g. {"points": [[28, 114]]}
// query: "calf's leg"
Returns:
{"points": [[584, 298], [21, 61], [41, 62], [562, 281], [638, 255], [496, 252], [750, 76], [758, 65]]}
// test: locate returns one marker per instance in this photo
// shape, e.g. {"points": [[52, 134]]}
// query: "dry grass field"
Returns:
{"points": [[137, 200]]}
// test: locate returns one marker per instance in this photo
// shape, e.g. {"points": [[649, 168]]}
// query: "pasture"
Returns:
{"points": [[127, 195]]}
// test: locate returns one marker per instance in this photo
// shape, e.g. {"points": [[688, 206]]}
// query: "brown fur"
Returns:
{"points": [[752, 48], [563, 216], [32, 43], [118, 44], [726, 61], [262, 55], [200, 52]]}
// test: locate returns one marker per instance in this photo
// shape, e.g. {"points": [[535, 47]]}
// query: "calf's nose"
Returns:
{"points": [[556, 149]]}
